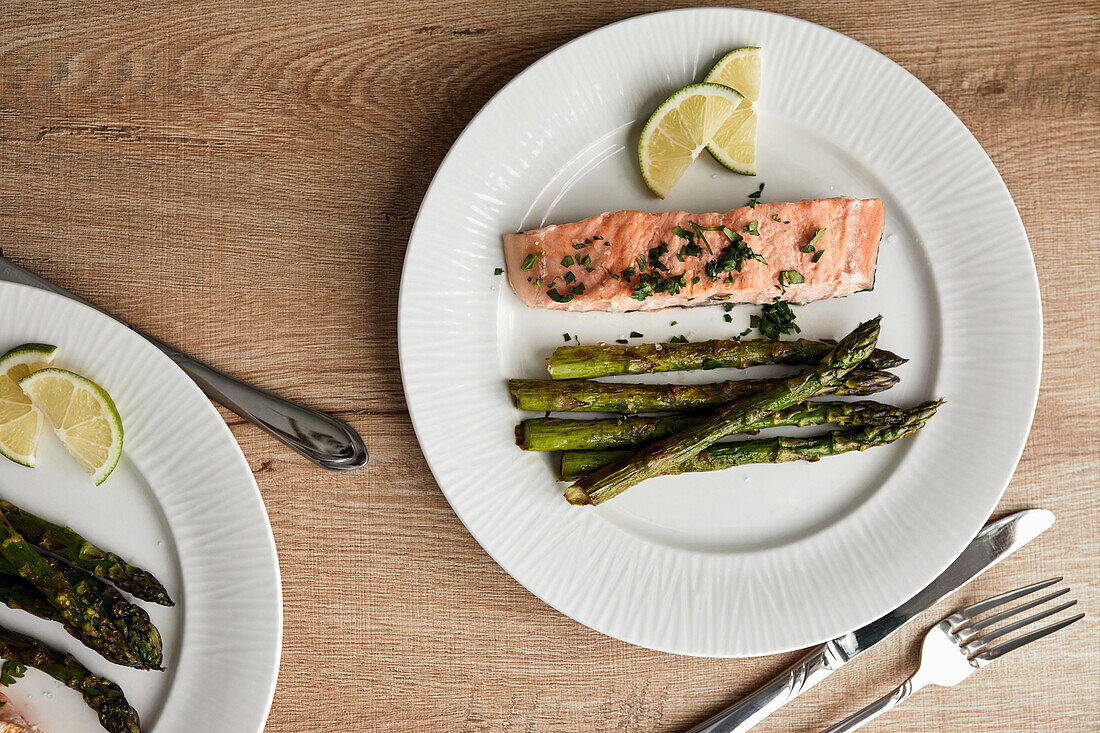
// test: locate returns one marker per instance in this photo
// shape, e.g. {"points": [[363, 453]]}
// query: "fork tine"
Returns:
{"points": [[968, 631], [976, 644], [982, 606], [1013, 644]]}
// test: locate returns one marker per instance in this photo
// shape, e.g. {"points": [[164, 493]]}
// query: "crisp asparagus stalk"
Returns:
{"points": [[583, 395], [129, 619], [659, 457], [578, 463], [549, 433], [604, 360], [94, 628], [102, 695], [79, 552]]}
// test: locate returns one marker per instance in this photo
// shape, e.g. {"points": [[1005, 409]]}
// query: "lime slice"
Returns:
{"points": [[20, 423], [83, 415], [679, 130], [739, 69], [734, 144]]}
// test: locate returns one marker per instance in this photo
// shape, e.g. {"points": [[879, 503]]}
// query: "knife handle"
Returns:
{"points": [[323, 439], [801, 676]]}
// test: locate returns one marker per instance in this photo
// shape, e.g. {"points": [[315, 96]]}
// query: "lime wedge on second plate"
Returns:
{"points": [[679, 130], [734, 143], [83, 415], [20, 423]]}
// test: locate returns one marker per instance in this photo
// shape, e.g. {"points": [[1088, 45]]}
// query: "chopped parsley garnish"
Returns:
{"points": [[817, 255], [727, 318], [655, 256], [727, 307], [621, 341], [673, 323], [790, 277], [683, 233], [709, 363], [567, 261], [10, 672], [635, 335], [744, 333], [775, 318], [817, 235], [498, 271], [530, 260], [678, 339], [569, 277], [731, 258], [641, 263], [807, 248], [577, 289], [565, 336], [644, 288], [754, 196], [672, 285], [579, 245], [628, 273], [694, 279], [610, 274], [752, 228], [691, 250], [586, 260], [596, 238], [557, 297]]}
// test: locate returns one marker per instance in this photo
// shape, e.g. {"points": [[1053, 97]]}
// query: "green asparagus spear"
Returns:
{"points": [[94, 629], [79, 552], [102, 695], [578, 463], [128, 618], [549, 433], [583, 395], [659, 457], [585, 361]]}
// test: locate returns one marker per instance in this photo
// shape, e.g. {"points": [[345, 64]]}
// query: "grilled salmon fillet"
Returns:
{"points": [[631, 260]]}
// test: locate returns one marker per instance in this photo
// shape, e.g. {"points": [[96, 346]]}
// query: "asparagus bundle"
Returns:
{"points": [[94, 628], [549, 433], [79, 552], [576, 464], [604, 360], [102, 695], [131, 620], [681, 447], [582, 395]]}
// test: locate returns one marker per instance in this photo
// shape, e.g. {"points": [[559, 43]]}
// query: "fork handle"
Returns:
{"points": [[887, 702]]}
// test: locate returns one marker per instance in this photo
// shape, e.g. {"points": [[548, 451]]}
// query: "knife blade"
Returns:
{"points": [[323, 439], [995, 542]]}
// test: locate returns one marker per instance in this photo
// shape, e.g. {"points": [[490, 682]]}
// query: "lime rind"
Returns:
{"points": [[108, 409], [669, 105]]}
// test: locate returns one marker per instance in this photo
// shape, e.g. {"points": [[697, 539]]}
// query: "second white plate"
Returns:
{"points": [[758, 559]]}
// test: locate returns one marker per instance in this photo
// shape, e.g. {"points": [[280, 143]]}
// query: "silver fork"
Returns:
{"points": [[959, 646]]}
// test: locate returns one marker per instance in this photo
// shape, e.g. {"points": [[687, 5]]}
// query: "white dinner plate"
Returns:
{"points": [[182, 503], [757, 559]]}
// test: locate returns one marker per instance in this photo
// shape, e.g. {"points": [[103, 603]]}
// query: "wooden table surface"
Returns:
{"points": [[239, 178]]}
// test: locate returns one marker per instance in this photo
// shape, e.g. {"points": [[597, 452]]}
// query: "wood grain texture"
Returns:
{"points": [[240, 179]]}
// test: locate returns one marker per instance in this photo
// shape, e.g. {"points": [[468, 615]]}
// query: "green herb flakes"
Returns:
{"points": [[775, 319], [567, 261], [635, 335], [498, 271], [530, 260], [753, 228]]}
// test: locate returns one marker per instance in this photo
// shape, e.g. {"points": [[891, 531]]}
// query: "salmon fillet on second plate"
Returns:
{"points": [[631, 260]]}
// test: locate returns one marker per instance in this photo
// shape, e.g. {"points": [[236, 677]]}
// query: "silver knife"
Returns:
{"points": [[995, 542], [316, 436]]}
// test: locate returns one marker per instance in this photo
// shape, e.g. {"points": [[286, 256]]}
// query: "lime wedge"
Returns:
{"points": [[679, 130], [82, 414], [20, 423], [734, 143]]}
